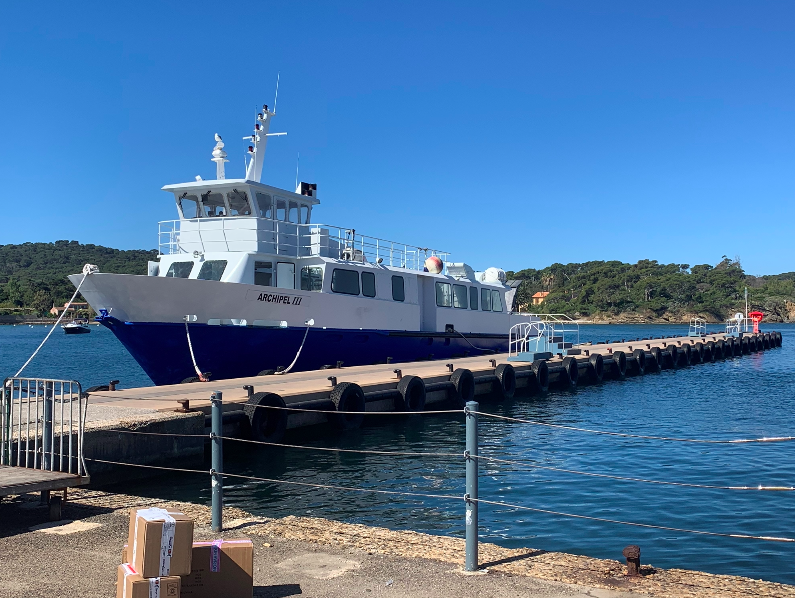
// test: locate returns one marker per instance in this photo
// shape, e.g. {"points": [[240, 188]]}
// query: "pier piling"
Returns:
{"points": [[217, 466], [471, 521]]}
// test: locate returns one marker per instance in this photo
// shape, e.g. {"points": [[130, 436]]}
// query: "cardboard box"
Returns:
{"points": [[220, 568], [130, 584], [226, 570], [161, 542]]}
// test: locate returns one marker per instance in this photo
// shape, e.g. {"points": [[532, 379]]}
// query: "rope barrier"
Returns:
{"points": [[341, 450], [159, 433], [625, 435], [630, 479], [87, 269], [648, 525], [403, 413]]}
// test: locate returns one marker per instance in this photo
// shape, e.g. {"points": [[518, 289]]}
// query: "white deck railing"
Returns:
{"points": [[262, 235]]}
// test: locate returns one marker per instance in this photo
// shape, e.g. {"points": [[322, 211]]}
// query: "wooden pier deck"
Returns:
{"points": [[19, 480]]}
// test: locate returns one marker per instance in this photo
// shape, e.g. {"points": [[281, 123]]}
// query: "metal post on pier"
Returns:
{"points": [[217, 464], [471, 496], [46, 435]]}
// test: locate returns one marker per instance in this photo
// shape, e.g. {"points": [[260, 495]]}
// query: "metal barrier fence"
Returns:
{"points": [[41, 424]]}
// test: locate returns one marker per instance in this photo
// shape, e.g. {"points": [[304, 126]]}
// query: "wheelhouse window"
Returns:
{"points": [[473, 298], [345, 281], [311, 278], [292, 215], [189, 206], [460, 296], [485, 299], [263, 274], [213, 204], [496, 301], [179, 270], [368, 284], [444, 294], [305, 211], [212, 270], [265, 204], [281, 209], [398, 289], [238, 203]]}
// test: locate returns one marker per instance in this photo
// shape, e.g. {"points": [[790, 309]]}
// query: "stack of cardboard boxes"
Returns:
{"points": [[161, 560]]}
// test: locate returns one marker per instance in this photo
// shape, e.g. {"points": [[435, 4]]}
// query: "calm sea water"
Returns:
{"points": [[740, 398]]}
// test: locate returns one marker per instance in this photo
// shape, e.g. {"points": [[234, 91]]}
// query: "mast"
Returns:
{"points": [[259, 141]]}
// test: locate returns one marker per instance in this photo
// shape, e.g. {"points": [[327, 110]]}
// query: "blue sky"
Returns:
{"points": [[510, 134]]}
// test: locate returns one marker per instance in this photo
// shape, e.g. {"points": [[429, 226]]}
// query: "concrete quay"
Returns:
{"points": [[183, 409], [297, 556]]}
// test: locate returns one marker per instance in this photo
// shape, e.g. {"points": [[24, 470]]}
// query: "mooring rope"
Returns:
{"points": [[87, 269], [625, 435], [192, 357], [289, 367]]}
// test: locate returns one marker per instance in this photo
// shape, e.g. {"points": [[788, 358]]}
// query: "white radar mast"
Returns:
{"points": [[259, 140], [219, 157]]}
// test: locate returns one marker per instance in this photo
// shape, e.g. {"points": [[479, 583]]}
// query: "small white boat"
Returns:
{"points": [[76, 327]]}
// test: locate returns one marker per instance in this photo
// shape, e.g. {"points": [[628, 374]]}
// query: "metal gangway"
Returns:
{"points": [[543, 337], [698, 327], [42, 422]]}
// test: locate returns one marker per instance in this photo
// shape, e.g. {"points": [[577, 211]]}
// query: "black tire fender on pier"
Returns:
{"points": [[746, 345], [656, 358], [571, 372], [267, 425], [619, 369], [711, 347], [464, 382], [737, 347], [752, 343], [596, 367], [540, 374], [720, 349], [673, 355], [766, 341], [506, 381], [697, 355], [347, 397], [412, 394], [687, 353], [640, 361], [707, 356], [779, 339]]}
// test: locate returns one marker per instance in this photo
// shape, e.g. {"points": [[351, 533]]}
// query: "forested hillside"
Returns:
{"points": [[33, 278], [652, 291], [33, 275]]}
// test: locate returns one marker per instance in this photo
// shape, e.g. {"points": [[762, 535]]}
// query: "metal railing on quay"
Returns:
{"points": [[471, 457]]}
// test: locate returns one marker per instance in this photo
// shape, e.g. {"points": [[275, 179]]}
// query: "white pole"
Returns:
{"points": [[746, 302]]}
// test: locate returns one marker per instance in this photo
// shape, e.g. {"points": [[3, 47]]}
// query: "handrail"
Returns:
{"points": [[288, 239]]}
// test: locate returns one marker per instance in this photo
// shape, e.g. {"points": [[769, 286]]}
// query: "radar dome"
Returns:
{"points": [[494, 275]]}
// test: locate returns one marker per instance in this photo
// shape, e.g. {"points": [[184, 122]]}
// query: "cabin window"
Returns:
{"points": [[189, 206], [292, 215], [281, 210], [444, 294], [212, 270], [398, 289], [496, 301], [285, 275], [238, 203], [311, 278], [473, 298], [214, 205], [460, 296], [179, 270], [305, 214], [485, 299], [345, 281], [263, 274], [265, 205], [368, 284]]}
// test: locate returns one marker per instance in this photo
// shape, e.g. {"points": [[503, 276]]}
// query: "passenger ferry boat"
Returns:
{"points": [[245, 282]]}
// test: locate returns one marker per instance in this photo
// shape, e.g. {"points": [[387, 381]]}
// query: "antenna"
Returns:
{"points": [[277, 93], [297, 161]]}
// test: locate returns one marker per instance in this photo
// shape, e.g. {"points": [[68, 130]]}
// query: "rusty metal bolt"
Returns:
{"points": [[632, 554], [398, 374], [629, 347], [493, 363], [112, 384], [249, 389], [389, 360], [449, 367], [610, 350], [333, 380]]}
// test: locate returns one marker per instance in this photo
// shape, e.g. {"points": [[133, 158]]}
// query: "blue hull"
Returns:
{"points": [[161, 349]]}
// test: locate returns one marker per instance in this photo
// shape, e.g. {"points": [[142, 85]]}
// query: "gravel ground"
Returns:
{"points": [[314, 557]]}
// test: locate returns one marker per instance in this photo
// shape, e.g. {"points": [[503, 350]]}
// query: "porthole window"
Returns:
{"points": [[398, 289], [345, 281], [368, 284], [444, 294]]}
